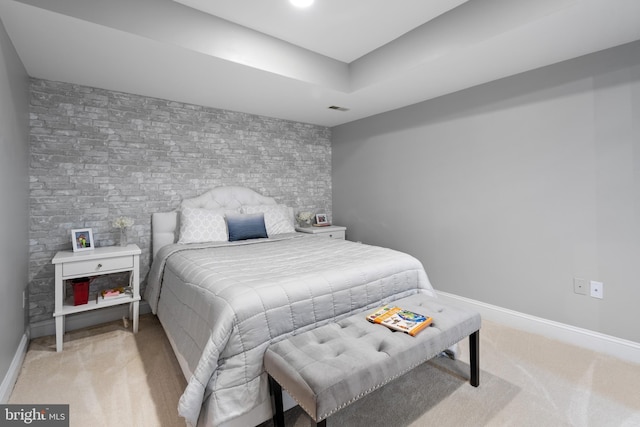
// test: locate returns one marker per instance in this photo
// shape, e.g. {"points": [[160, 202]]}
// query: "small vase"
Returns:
{"points": [[123, 236]]}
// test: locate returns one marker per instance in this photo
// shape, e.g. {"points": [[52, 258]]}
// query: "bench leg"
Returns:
{"points": [[474, 358], [278, 416], [276, 390]]}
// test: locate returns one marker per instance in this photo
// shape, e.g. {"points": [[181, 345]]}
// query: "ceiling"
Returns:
{"points": [[269, 58], [339, 29]]}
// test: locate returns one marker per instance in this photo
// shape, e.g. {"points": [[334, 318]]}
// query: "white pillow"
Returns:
{"points": [[277, 218], [202, 225]]}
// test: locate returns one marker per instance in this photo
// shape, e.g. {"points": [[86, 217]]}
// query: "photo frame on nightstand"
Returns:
{"points": [[82, 239], [322, 220]]}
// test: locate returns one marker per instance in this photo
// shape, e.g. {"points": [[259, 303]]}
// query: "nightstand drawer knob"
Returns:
{"points": [[99, 265]]}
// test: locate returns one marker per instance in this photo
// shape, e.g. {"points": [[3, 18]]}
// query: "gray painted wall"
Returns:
{"points": [[509, 190], [14, 191], [97, 155]]}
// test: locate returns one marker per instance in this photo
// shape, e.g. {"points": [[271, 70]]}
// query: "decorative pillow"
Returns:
{"points": [[277, 218], [202, 225], [246, 226]]}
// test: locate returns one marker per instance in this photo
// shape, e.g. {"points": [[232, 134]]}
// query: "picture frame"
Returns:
{"points": [[82, 239], [322, 219]]}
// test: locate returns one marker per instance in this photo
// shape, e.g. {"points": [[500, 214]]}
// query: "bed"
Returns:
{"points": [[223, 302]]}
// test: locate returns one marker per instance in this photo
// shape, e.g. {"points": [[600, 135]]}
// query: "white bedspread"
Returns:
{"points": [[233, 300]]}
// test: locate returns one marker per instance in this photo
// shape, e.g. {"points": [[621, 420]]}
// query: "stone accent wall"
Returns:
{"points": [[97, 155]]}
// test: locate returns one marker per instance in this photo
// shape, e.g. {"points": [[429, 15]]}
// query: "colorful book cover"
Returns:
{"points": [[397, 319], [114, 293]]}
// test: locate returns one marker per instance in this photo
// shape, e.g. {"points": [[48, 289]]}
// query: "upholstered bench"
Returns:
{"points": [[330, 367]]}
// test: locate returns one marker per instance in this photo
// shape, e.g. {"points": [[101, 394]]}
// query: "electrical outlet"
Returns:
{"points": [[597, 289], [580, 286]]}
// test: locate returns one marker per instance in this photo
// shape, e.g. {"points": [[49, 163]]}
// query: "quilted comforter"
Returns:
{"points": [[223, 304]]}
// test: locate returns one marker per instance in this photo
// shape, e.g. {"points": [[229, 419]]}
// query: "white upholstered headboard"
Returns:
{"points": [[164, 225]]}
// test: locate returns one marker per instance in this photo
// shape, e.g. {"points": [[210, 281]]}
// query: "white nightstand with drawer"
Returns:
{"points": [[331, 231], [105, 260]]}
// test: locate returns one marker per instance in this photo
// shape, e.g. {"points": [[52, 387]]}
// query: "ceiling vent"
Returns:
{"points": [[335, 107]]}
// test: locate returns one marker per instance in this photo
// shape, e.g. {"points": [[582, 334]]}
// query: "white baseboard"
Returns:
{"points": [[596, 341], [86, 319], [11, 377]]}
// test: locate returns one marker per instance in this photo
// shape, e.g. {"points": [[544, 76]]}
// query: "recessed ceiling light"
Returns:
{"points": [[301, 3]]}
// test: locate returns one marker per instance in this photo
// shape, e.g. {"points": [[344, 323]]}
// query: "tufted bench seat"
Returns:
{"points": [[330, 367]]}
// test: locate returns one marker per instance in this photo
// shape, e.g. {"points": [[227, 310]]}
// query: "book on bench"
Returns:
{"points": [[397, 319]]}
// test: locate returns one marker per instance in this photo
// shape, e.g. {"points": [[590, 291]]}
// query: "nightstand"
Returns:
{"points": [[331, 231], [97, 262]]}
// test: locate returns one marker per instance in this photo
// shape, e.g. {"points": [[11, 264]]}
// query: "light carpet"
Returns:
{"points": [[111, 377], [107, 375]]}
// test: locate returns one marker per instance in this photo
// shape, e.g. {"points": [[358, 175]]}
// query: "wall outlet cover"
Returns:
{"points": [[597, 289], [580, 286]]}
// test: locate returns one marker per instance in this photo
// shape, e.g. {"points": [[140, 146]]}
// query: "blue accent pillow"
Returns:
{"points": [[246, 226]]}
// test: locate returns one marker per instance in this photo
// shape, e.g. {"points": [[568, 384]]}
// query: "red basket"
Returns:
{"points": [[80, 290]]}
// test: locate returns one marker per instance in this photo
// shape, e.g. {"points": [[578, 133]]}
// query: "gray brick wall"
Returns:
{"points": [[97, 155]]}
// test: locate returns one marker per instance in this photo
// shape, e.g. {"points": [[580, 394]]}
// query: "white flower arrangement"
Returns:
{"points": [[123, 222], [304, 217]]}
